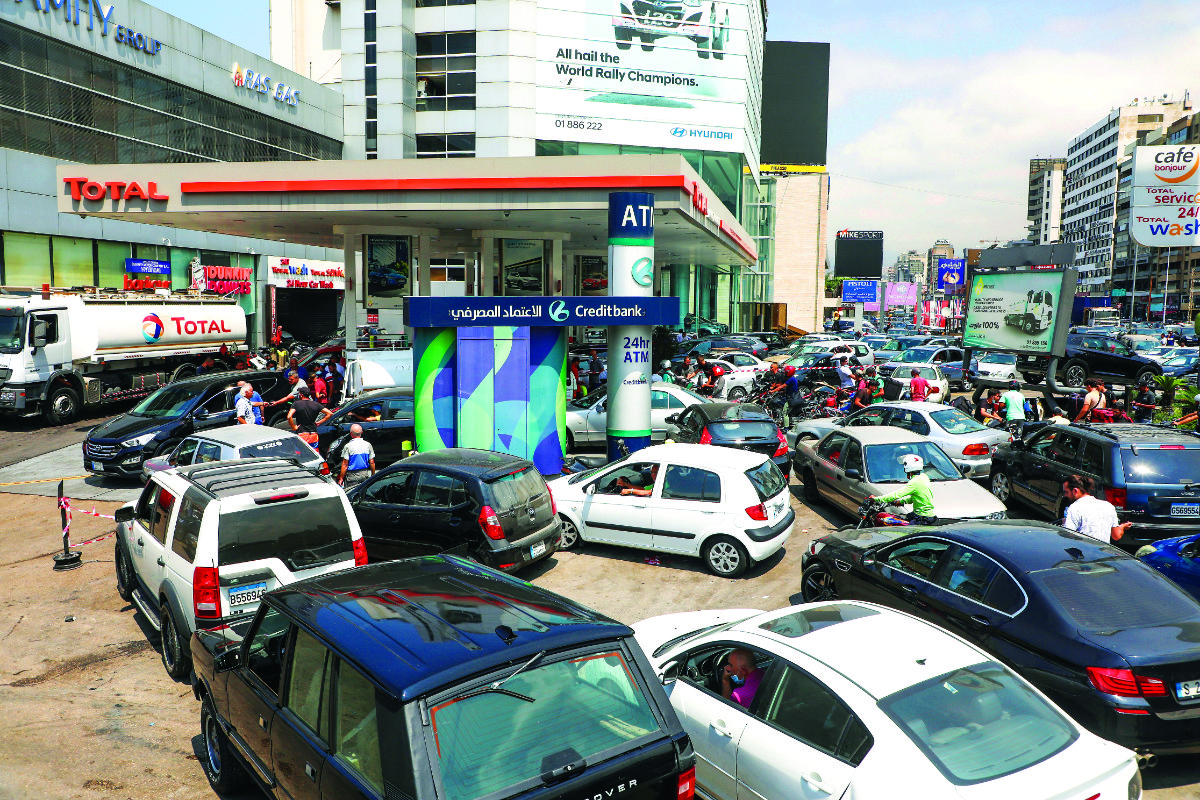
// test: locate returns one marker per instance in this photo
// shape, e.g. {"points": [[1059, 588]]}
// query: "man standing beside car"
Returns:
{"points": [[245, 407], [306, 415], [1144, 402], [1090, 515], [1014, 407], [358, 459]]}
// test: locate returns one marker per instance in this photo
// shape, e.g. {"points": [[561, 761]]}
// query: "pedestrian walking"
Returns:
{"points": [[358, 459], [918, 387], [1144, 402], [306, 415], [1090, 515], [1093, 401]]}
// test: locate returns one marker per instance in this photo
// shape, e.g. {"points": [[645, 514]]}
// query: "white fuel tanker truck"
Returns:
{"points": [[60, 351]]}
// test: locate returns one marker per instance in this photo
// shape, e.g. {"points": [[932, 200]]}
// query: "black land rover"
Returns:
{"points": [[430, 678]]}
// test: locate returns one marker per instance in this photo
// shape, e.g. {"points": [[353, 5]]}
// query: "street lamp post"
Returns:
{"points": [[1133, 286]]}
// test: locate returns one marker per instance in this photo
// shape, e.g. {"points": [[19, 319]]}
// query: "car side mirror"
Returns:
{"points": [[39, 334], [1017, 444], [854, 474], [124, 514], [228, 659], [591, 489], [670, 671], [868, 559], [672, 418], [1190, 551]]}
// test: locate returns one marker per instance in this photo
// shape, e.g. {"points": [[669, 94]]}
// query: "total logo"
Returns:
{"points": [[152, 328], [1176, 166]]}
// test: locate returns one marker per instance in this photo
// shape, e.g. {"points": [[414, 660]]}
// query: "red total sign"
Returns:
{"points": [[84, 189]]}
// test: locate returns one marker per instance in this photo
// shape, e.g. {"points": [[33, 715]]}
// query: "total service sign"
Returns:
{"points": [[1165, 209]]}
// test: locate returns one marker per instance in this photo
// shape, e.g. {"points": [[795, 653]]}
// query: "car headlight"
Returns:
{"points": [[1145, 550], [997, 515], [139, 441]]}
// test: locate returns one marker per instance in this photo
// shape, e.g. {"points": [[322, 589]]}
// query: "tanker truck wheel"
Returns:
{"points": [[62, 406], [183, 371]]}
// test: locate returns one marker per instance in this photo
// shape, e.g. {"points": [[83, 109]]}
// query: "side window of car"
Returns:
{"points": [[691, 483], [853, 457], [307, 687], [442, 491], [395, 489], [266, 648], [187, 527], [401, 408], [1041, 445], [801, 706], [831, 447], [910, 420], [917, 558], [675, 402], [1004, 594], [145, 505], [967, 573], [870, 416], [636, 475], [1091, 457], [162, 516], [185, 453], [704, 667], [1064, 450], [659, 399], [221, 401], [356, 726], [207, 451]]}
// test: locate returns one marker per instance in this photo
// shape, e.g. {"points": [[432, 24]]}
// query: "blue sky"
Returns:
{"points": [[937, 107]]}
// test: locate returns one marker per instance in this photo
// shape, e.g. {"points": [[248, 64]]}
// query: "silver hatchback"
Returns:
{"points": [[967, 443]]}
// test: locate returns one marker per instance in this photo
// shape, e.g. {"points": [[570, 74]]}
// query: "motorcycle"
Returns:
{"points": [[874, 514]]}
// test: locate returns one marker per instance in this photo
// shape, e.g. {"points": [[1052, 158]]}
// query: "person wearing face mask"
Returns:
{"points": [[740, 677]]}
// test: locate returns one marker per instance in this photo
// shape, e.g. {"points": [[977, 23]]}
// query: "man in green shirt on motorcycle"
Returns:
{"points": [[918, 491]]}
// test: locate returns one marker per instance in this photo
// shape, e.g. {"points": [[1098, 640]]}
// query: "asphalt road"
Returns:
{"points": [[25, 437]]}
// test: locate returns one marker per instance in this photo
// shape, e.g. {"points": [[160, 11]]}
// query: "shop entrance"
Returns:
{"points": [[309, 314]]}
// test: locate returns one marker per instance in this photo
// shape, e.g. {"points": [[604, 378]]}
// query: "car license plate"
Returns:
{"points": [[1188, 690], [1185, 509], [97, 466], [246, 594], [537, 550]]}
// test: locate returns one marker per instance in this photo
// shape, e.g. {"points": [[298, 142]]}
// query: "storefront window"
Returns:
{"points": [[445, 145], [26, 259], [181, 267], [111, 260], [73, 262]]}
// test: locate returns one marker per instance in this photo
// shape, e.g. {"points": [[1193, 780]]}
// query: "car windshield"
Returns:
{"points": [[918, 355], [284, 447], [578, 710], [1147, 344], [590, 399], [884, 462], [954, 421], [689, 393], [979, 723], [316, 533], [902, 344], [818, 347], [767, 480], [998, 358], [167, 402], [1182, 361], [1170, 464], [12, 327], [1114, 594], [808, 360]]}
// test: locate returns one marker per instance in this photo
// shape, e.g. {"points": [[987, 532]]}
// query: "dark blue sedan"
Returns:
{"points": [[1110, 640], [1182, 366], [1178, 559]]}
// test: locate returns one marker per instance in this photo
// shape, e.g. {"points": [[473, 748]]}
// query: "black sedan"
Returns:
{"points": [[387, 417], [1110, 640], [742, 426]]}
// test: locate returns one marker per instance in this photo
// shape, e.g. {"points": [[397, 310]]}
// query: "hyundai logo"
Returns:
{"points": [[679, 131]]}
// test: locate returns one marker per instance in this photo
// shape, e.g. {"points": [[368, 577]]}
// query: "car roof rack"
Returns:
{"points": [[243, 476], [1134, 431]]}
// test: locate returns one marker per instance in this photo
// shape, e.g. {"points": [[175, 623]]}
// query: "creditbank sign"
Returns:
{"points": [[484, 312], [97, 14]]}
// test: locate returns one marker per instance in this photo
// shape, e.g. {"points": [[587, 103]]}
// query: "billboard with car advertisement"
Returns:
{"points": [[658, 73], [1021, 311]]}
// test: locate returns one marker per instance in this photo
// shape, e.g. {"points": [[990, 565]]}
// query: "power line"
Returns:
{"points": [[928, 191]]}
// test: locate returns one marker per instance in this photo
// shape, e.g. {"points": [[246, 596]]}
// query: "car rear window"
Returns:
{"points": [[743, 429], [979, 723], [1162, 464], [585, 708], [515, 490], [767, 480], [955, 422], [1113, 595], [285, 447], [302, 534]]}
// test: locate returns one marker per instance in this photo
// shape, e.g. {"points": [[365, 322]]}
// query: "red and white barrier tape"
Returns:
{"points": [[65, 505]]}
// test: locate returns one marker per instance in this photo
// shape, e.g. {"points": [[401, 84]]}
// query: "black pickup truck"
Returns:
{"points": [[433, 678]]}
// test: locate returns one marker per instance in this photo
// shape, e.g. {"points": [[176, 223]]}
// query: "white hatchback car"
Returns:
{"points": [[730, 508], [851, 699]]}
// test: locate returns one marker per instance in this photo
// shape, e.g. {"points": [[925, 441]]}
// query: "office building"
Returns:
{"points": [[1045, 199]]}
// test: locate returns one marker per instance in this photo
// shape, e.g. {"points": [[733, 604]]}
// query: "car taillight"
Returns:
{"points": [[705, 437], [360, 552], [1123, 683], [1117, 497], [324, 470], [758, 512], [975, 450], [687, 785], [206, 593], [553, 505], [783, 445], [489, 523]]}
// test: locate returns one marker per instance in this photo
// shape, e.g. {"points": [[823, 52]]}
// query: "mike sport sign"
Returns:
{"points": [[1165, 208]]}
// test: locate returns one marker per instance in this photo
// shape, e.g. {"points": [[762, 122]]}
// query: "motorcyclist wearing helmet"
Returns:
{"points": [[918, 491], [665, 374], [719, 383]]}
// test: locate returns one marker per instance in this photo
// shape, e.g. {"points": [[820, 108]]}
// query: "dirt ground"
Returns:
{"points": [[92, 714]]}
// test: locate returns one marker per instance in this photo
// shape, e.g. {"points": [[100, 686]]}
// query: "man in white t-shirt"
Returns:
{"points": [[1090, 515], [844, 374], [245, 406], [358, 459]]}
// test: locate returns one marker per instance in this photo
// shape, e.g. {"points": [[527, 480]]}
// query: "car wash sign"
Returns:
{"points": [[73, 12]]}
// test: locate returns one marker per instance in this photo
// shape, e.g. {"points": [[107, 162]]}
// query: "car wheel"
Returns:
{"points": [[624, 37], [702, 48], [1075, 372], [184, 371], [737, 394], [62, 406], [1032, 378], [1146, 374], [124, 573], [816, 584], [1001, 486], [174, 649], [570, 444], [221, 767], [725, 557], [569, 534], [647, 44], [812, 495]]}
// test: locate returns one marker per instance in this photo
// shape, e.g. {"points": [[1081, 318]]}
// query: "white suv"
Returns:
{"points": [[731, 509], [203, 543]]}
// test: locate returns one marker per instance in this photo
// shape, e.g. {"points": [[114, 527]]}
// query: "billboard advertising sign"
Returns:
{"points": [[388, 270], [858, 254], [950, 273], [860, 291], [1026, 312], [454, 312], [1166, 209], [671, 73]]}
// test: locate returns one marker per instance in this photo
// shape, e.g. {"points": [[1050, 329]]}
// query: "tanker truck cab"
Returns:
{"points": [[61, 351]]}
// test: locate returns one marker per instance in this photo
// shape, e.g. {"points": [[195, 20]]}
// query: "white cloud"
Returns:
{"points": [[969, 125]]}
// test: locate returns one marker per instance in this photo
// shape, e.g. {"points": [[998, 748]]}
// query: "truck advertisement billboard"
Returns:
{"points": [[1166, 209], [1028, 312], [661, 73]]}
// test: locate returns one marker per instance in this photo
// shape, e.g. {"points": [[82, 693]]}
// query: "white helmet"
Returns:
{"points": [[912, 463]]}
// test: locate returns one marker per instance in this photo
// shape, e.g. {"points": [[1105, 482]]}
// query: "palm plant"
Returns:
{"points": [[1168, 387]]}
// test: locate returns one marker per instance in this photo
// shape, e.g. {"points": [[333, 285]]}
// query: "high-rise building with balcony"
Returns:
{"points": [[1045, 199]]}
